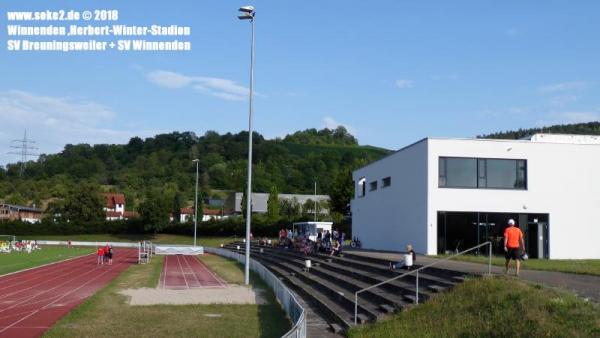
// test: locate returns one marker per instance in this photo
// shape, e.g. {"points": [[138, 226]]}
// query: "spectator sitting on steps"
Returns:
{"points": [[406, 262], [335, 249]]}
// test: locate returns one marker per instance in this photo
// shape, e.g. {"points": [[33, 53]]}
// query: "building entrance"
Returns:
{"points": [[458, 231]]}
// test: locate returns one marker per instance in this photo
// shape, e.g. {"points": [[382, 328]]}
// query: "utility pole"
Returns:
{"points": [[23, 146]]}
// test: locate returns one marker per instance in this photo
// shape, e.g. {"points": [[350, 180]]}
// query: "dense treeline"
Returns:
{"points": [[590, 128], [163, 164]]}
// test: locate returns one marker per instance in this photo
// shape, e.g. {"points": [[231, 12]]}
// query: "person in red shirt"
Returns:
{"points": [[100, 256], [513, 243]]}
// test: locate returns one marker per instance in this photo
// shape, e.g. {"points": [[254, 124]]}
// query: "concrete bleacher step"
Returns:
{"points": [[387, 308], [334, 314], [402, 286], [336, 293], [350, 283], [437, 288], [337, 329], [329, 285]]}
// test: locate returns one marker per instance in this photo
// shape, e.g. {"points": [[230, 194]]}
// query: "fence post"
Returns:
{"points": [[355, 307], [417, 291], [490, 261]]}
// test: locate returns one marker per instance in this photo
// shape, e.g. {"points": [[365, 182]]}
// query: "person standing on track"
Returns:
{"points": [[513, 243], [110, 255], [100, 256], [106, 249]]}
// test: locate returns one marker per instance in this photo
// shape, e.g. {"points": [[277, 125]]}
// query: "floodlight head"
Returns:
{"points": [[246, 16], [247, 9], [196, 160]]}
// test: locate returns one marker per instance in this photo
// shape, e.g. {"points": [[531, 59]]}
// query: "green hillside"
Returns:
{"points": [[164, 163]]}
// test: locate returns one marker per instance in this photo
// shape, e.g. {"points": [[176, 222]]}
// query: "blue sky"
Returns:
{"points": [[392, 72]]}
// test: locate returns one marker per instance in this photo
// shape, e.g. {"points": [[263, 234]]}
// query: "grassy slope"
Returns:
{"points": [[579, 266], [16, 261], [106, 314], [493, 307]]}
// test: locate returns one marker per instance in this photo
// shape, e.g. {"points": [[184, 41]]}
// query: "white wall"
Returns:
{"points": [[392, 217], [563, 181]]}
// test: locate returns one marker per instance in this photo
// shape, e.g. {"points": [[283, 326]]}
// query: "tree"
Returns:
{"points": [[83, 204], [308, 209], [273, 204], [176, 210], [341, 192], [154, 212], [243, 204]]}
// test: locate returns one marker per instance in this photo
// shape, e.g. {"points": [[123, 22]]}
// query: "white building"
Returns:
{"points": [[441, 195]]}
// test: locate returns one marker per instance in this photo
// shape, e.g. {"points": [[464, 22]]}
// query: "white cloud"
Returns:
{"points": [[404, 84], [56, 121], [169, 79], [213, 86], [564, 86], [331, 123]]}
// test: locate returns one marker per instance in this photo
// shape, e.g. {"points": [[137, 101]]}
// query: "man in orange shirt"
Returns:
{"points": [[513, 242]]}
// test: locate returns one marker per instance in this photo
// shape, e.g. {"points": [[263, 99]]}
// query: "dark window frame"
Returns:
{"points": [[482, 174], [373, 185], [383, 182]]}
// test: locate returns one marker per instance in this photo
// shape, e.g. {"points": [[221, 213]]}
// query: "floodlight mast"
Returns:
{"points": [[248, 14], [196, 203]]}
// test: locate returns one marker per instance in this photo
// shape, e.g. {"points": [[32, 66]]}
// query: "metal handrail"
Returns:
{"points": [[417, 277]]}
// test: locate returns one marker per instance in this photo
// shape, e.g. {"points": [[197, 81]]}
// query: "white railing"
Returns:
{"points": [[416, 272], [289, 303], [90, 243]]}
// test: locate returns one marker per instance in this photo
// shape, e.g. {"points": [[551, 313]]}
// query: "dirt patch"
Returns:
{"points": [[231, 294]]}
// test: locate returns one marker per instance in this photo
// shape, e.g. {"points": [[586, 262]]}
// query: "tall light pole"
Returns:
{"points": [[248, 14], [196, 203], [315, 200]]}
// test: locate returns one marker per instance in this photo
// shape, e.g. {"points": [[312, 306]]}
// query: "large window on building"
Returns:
{"points": [[460, 172]]}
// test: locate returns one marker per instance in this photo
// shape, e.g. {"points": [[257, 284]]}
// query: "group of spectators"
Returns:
{"points": [[105, 255], [326, 241], [19, 246]]}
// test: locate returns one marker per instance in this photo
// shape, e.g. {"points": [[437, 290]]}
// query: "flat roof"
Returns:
{"points": [[575, 139]]}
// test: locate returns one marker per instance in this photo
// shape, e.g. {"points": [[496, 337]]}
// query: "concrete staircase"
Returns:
{"points": [[329, 285]]}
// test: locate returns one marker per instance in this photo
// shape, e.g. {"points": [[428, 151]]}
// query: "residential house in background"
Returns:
{"points": [[187, 215], [114, 207], [12, 212]]}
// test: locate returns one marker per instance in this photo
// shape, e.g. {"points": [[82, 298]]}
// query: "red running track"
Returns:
{"points": [[31, 301], [182, 272]]}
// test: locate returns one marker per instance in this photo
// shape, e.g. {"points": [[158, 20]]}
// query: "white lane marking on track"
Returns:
{"points": [[181, 269], [38, 274], [191, 270], [164, 284], [203, 266], [64, 295], [46, 291]]}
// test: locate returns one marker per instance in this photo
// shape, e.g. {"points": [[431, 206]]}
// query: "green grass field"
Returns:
{"points": [[16, 261], [493, 307], [579, 266], [159, 238], [107, 314]]}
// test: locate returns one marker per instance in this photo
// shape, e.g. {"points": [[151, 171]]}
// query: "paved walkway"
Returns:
{"points": [[585, 286]]}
